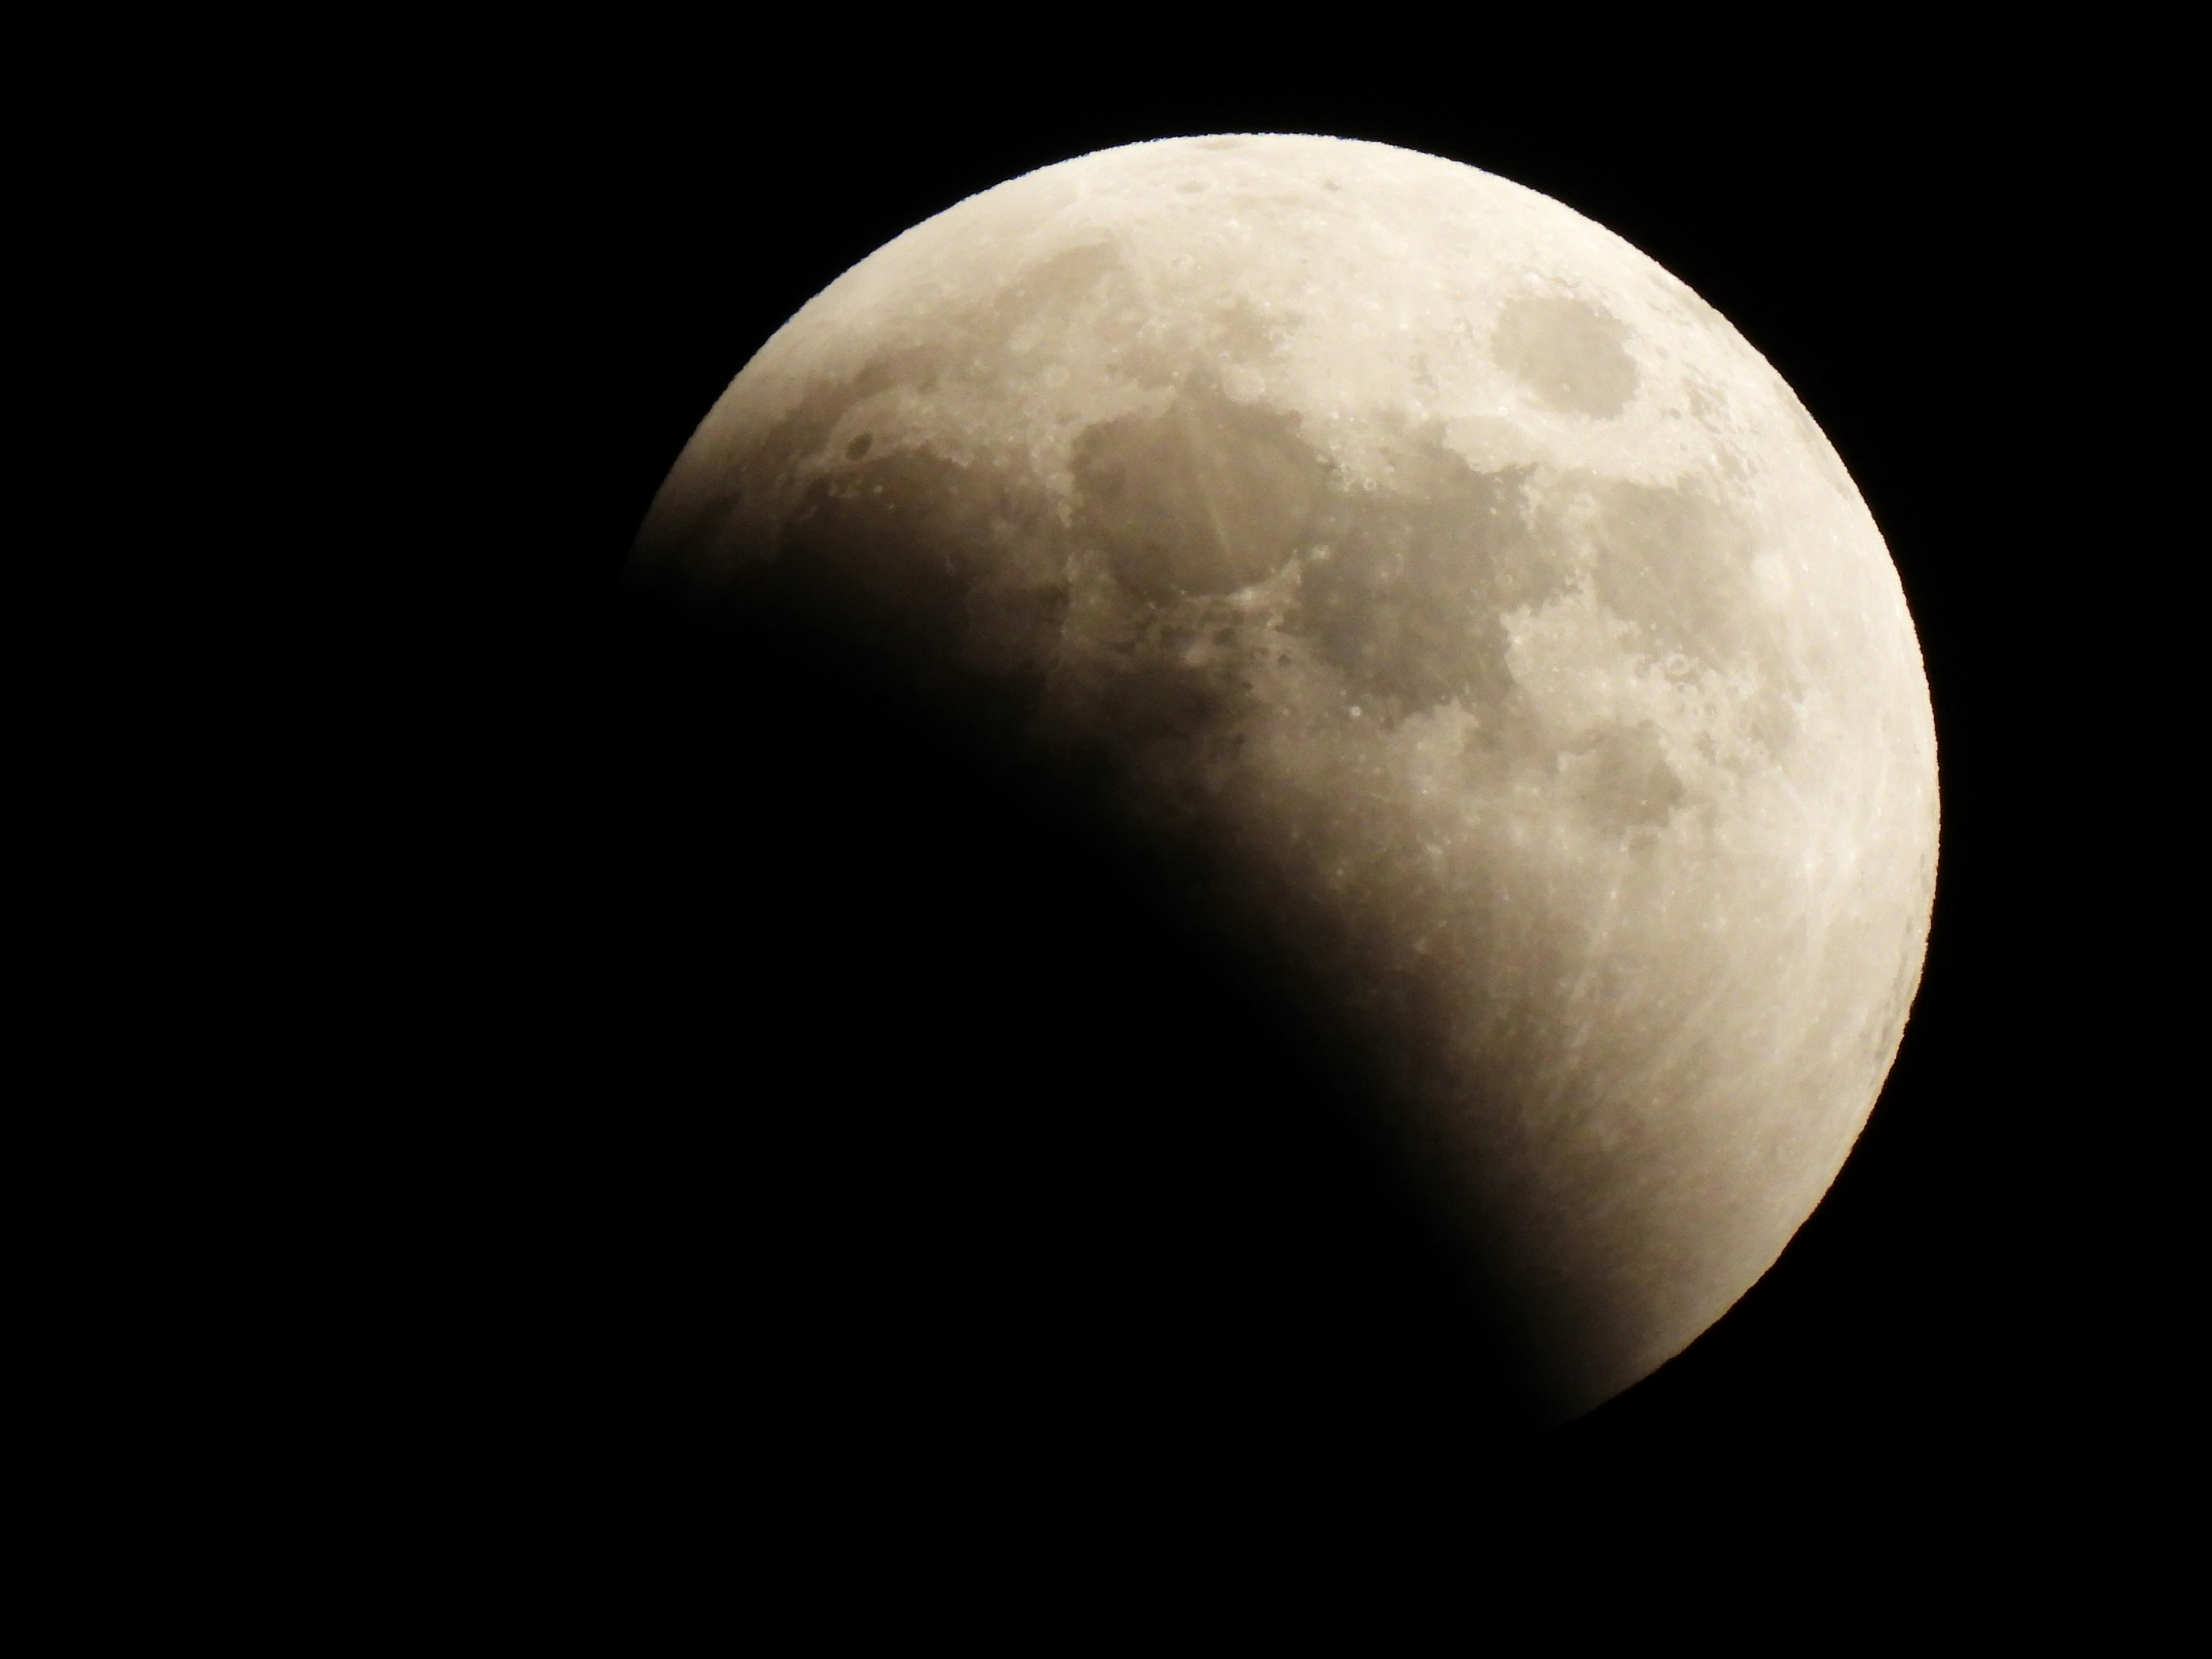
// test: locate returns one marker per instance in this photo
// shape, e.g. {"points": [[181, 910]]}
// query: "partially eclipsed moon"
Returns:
{"points": [[1479, 618]]}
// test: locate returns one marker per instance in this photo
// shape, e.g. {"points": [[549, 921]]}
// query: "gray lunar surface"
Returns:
{"points": [[1472, 606]]}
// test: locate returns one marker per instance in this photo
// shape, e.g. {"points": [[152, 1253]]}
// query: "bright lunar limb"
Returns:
{"points": [[1466, 599]]}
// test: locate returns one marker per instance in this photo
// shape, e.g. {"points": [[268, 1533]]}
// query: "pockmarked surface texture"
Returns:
{"points": [[1480, 617]]}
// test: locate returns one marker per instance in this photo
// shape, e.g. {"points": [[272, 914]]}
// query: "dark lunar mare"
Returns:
{"points": [[942, 1141]]}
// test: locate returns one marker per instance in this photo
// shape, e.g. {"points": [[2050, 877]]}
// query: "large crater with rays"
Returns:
{"points": [[1477, 626]]}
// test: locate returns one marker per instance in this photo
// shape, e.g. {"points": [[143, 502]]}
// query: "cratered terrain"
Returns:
{"points": [[1473, 624]]}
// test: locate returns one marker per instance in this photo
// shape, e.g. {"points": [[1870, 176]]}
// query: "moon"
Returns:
{"points": [[1470, 618]]}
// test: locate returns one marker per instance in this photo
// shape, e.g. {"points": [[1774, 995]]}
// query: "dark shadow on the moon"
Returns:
{"points": [[930, 1147]]}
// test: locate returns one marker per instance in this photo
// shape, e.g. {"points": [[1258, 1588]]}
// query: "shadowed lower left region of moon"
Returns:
{"points": [[1474, 617]]}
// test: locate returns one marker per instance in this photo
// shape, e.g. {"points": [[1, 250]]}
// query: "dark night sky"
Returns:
{"points": [[793, 1165]]}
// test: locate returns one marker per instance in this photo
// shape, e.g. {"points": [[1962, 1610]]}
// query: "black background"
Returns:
{"points": [[897, 1155]]}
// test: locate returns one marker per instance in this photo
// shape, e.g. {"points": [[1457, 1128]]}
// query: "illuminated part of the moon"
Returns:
{"points": [[1467, 598]]}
